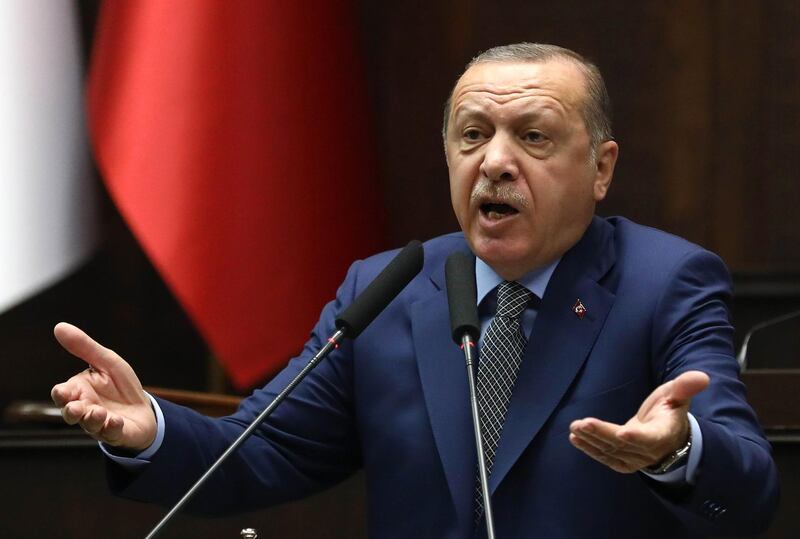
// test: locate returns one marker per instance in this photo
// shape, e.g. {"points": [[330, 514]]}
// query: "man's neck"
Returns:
{"points": [[535, 280]]}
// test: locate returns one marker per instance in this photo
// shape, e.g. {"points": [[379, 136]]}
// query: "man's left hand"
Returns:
{"points": [[660, 427]]}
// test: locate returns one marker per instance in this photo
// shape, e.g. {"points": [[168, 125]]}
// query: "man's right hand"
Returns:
{"points": [[107, 399]]}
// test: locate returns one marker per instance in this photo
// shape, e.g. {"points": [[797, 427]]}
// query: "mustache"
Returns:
{"points": [[498, 192]]}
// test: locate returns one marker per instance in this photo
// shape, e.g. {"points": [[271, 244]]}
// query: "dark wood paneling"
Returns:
{"points": [[774, 395], [707, 110], [54, 486]]}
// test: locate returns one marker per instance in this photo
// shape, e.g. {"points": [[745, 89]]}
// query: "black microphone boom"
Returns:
{"points": [[378, 294], [381, 290]]}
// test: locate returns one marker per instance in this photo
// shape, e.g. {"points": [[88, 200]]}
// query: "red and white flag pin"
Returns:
{"points": [[579, 309]]}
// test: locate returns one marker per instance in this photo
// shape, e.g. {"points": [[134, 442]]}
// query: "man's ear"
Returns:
{"points": [[605, 161]]}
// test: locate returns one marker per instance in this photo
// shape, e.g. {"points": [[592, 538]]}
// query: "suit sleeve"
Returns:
{"points": [[736, 488], [307, 444]]}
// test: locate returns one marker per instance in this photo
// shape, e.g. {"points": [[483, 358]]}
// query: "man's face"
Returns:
{"points": [[522, 181]]}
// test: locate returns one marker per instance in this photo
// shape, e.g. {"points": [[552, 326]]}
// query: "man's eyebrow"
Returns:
{"points": [[534, 113], [537, 114], [469, 111]]}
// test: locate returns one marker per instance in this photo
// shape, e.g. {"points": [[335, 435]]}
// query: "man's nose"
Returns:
{"points": [[499, 161]]}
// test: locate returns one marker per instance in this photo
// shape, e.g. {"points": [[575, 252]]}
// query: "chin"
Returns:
{"points": [[503, 256]]}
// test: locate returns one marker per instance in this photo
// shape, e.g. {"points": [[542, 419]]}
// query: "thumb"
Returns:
{"points": [[686, 386], [79, 344]]}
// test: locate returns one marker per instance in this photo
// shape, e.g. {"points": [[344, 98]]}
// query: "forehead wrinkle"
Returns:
{"points": [[496, 89], [497, 93], [466, 104], [556, 86]]}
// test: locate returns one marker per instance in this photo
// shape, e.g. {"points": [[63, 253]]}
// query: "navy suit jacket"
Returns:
{"points": [[395, 402]]}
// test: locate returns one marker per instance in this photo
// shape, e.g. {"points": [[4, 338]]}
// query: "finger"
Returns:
{"points": [[602, 430], [686, 386], [585, 429], [644, 439], [621, 455], [598, 444], [677, 392], [72, 412], [615, 447], [111, 433], [64, 393], [94, 419], [620, 462], [79, 344], [611, 442]]}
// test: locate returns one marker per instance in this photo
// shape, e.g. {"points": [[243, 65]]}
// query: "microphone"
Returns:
{"points": [[383, 289], [365, 308], [459, 272], [741, 357]]}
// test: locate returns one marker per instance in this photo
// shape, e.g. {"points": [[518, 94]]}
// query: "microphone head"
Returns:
{"points": [[382, 290], [462, 296]]}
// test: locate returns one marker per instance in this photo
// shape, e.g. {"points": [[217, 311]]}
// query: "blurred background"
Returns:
{"points": [[175, 169]]}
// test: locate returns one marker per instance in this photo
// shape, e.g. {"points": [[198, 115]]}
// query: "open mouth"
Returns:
{"points": [[496, 212]]}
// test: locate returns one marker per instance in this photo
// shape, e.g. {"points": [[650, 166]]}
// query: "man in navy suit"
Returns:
{"points": [[626, 419]]}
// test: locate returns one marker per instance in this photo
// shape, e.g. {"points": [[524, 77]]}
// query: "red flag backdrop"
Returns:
{"points": [[233, 138]]}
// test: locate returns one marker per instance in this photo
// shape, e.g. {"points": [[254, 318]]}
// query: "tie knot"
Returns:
{"points": [[512, 298]]}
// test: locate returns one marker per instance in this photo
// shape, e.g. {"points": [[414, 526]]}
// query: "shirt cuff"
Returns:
{"points": [[142, 458], [684, 474]]}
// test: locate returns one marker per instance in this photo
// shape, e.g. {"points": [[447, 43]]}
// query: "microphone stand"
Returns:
{"points": [[468, 346], [372, 300], [741, 357], [333, 342]]}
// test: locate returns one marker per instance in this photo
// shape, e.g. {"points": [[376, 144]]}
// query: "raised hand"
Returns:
{"points": [[107, 399], [660, 427]]}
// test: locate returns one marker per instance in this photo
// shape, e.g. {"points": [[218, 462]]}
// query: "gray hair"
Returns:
{"points": [[597, 106]]}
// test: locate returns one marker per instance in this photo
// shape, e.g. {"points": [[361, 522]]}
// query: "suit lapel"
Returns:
{"points": [[559, 345], [443, 374]]}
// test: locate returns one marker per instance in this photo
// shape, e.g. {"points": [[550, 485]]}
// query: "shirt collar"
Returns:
{"points": [[536, 281]]}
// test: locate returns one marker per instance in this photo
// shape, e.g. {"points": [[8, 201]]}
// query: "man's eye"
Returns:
{"points": [[472, 134], [534, 136]]}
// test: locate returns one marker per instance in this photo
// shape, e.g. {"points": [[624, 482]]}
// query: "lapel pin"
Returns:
{"points": [[579, 309]]}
